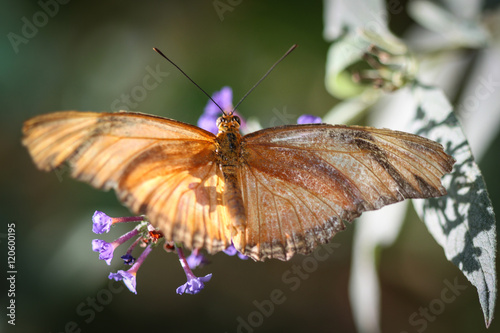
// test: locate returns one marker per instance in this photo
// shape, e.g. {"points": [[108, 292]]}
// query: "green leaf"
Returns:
{"points": [[462, 222]]}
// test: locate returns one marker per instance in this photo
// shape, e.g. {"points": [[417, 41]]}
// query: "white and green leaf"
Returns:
{"points": [[462, 222]]}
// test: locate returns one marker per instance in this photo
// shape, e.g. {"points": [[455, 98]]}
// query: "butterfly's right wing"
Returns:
{"points": [[159, 167], [300, 183]]}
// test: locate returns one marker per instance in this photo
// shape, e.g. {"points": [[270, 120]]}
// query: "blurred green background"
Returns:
{"points": [[90, 53]]}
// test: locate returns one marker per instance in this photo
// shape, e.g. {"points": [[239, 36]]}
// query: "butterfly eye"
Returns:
{"points": [[219, 121], [237, 119]]}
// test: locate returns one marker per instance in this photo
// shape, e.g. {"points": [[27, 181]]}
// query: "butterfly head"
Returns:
{"points": [[228, 121]]}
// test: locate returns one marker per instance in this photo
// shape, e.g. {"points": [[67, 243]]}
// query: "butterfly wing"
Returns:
{"points": [[159, 167], [300, 183]]}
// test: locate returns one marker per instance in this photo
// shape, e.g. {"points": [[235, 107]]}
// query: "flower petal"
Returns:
{"points": [[105, 250], [242, 256], [208, 123], [224, 98], [208, 120], [101, 222], [308, 119], [128, 278], [196, 259], [231, 251], [194, 285], [128, 259]]}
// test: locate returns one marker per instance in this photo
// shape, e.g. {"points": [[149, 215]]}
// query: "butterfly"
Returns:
{"points": [[272, 193]]}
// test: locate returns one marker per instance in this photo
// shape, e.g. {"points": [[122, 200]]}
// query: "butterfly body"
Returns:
{"points": [[229, 157], [273, 193]]}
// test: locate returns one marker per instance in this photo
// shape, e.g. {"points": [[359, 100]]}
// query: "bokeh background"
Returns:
{"points": [[90, 53]]}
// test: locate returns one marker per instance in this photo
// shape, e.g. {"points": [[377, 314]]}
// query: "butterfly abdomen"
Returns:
{"points": [[233, 200], [229, 159]]}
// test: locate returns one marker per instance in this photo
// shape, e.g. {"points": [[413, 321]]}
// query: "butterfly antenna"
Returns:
{"points": [[170, 61], [265, 75]]}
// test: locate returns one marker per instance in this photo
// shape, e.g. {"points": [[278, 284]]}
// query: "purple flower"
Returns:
{"points": [[208, 123], [231, 251], [194, 285], [224, 98], [127, 277], [101, 222], [105, 250], [128, 259], [308, 119], [196, 259]]}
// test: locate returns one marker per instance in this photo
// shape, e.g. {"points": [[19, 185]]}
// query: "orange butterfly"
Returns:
{"points": [[273, 193]]}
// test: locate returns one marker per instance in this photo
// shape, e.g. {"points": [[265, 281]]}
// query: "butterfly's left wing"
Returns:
{"points": [[159, 167], [300, 183]]}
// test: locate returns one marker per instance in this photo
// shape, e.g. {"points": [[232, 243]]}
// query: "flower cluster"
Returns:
{"points": [[144, 235], [147, 237]]}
